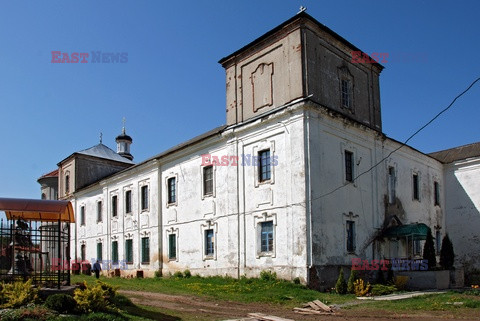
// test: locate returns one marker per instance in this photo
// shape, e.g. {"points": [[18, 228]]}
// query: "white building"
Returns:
{"points": [[300, 180]]}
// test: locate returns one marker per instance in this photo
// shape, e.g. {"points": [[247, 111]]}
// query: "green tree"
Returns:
{"points": [[341, 286], [429, 251], [351, 280], [447, 256]]}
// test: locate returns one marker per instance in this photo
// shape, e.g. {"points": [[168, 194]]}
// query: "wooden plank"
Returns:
{"points": [[313, 306], [264, 317], [322, 306], [310, 311]]}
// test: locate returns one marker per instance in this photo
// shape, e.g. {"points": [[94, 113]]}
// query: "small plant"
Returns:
{"points": [[341, 285], [361, 289], [296, 280], [158, 274], [178, 275], [401, 282], [93, 299], [447, 256], [267, 275], [351, 281], [380, 289], [16, 294], [61, 303], [187, 274]]}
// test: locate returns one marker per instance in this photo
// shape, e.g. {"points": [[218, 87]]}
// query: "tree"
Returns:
{"points": [[341, 286], [429, 251], [351, 281], [447, 256]]}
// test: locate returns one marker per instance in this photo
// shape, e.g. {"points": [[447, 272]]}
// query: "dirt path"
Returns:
{"points": [[191, 308]]}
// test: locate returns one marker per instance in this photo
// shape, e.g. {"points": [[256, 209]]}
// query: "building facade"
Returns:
{"points": [[300, 180]]}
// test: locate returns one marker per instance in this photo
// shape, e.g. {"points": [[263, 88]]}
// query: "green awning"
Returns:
{"points": [[416, 231]]}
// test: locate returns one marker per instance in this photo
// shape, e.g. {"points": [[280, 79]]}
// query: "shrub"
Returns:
{"points": [[108, 290], [178, 275], [158, 274], [187, 274], [447, 256], [380, 279], [93, 299], [351, 279], [341, 285], [429, 251], [401, 282], [380, 289], [296, 280], [16, 294], [361, 289], [31, 313], [61, 303], [267, 275]]}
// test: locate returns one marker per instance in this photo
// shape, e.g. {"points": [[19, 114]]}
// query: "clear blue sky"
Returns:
{"points": [[172, 88]]}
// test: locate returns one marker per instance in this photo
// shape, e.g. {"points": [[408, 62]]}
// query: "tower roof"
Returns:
{"points": [[101, 151]]}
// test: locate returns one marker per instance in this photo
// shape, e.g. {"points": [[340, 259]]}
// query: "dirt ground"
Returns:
{"points": [[192, 308]]}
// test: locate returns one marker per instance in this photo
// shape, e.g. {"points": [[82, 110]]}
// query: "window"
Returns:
{"points": [[438, 241], [172, 196], [391, 185], [129, 251], [67, 184], [264, 170], [145, 250], [207, 180], [436, 195], [350, 236], [266, 237], [114, 205], [115, 252], [82, 215], [172, 246], [417, 247], [348, 166], [83, 251], [346, 93], [128, 202], [144, 195], [99, 211], [99, 251], [209, 242], [416, 187]]}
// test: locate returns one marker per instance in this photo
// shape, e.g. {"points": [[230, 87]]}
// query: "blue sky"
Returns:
{"points": [[172, 87]]}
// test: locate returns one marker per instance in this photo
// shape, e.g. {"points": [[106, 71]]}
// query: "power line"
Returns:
{"points": [[406, 141]]}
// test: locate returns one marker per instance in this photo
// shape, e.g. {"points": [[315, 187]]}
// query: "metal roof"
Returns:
{"points": [[457, 153], [418, 231], [37, 210], [102, 151]]}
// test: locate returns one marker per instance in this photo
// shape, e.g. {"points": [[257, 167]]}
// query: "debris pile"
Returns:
{"points": [[314, 307]]}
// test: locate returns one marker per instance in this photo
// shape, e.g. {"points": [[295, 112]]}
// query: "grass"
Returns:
{"points": [[226, 289]]}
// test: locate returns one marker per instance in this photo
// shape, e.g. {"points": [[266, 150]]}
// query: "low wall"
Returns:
{"points": [[427, 280]]}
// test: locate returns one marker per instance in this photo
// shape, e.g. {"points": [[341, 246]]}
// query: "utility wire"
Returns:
{"points": [[404, 143]]}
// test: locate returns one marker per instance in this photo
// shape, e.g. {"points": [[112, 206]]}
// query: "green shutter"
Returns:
{"points": [[115, 252], [145, 250], [172, 246], [99, 251], [129, 251]]}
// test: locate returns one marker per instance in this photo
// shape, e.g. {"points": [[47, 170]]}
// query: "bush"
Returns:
{"points": [[341, 285], [16, 294], [61, 303], [361, 289], [380, 289], [401, 282], [158, 274], [429, 251], [108, 290], [94, 299], [31, 313], [178, 275], [296, 280], [351, 280], [447, 256], [267, 275], [187, 274]]}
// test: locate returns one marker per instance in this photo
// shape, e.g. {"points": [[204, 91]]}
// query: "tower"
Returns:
{"points": [[123, 144]]}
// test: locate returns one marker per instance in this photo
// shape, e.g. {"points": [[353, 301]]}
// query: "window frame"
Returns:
{"points": [[391, 184], [99, 251], [129, 251], [83, 252], [128, 201], [346, 93], [436, 193], [416, 186], [82, 215], [349, 166], [264, 166], [67, 183], [145, 254], [144, 197], [270, 238], [115, 252], [208, 182], [114, 205], [99, 211], [175, 246], [209, 251], [172, 197], [350, 240]]}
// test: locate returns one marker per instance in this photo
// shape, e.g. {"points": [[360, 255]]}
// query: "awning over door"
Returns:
{"points": [[37, 210], [416, 231]]}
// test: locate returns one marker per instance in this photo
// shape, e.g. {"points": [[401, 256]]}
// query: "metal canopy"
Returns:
{"points": [[418, 231], [37, 210]]}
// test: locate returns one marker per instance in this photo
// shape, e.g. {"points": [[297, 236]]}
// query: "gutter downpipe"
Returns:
{"points": [[238, 211], [309, 201]]}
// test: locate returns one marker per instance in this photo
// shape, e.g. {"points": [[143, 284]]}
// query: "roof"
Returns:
{"points": [[457, 153], [298, 16], [53, 173], [37, 210], [102, 151], [417, 231]]}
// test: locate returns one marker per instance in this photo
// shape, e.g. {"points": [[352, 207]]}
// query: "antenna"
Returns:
{"points": [[101, 136], [123, 128], [302, 9]]}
